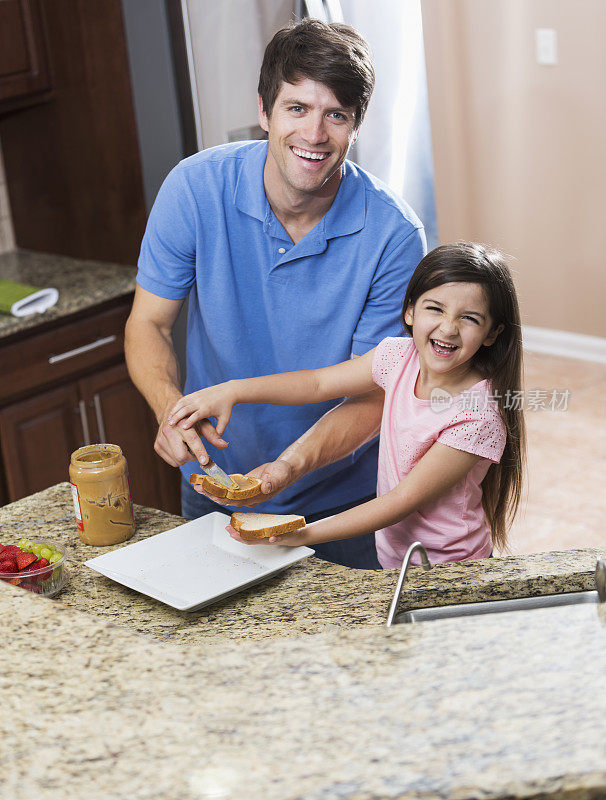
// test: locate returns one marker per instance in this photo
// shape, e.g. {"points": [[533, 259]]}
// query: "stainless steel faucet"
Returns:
{"points": [[403, 570], [600, 579]]}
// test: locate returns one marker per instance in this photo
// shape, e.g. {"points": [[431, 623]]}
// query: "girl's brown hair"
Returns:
{"points": [[335, 55], [501, 363]]}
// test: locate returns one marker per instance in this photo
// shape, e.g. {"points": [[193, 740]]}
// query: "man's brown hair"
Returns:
{"points": [[335, 55]]}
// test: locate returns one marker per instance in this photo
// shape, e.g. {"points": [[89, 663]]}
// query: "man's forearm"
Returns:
{"points": [[337, 434], [152, 364]]}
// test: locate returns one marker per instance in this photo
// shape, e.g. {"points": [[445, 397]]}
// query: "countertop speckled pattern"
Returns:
{"points": [[227, 706], [310, 597], [81, 284], [507, 707]]}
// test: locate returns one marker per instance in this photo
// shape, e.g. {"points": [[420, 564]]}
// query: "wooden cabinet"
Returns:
{"points": [[37, 437], [24, 69], [42, 423], [72, 164], [117, 413]]}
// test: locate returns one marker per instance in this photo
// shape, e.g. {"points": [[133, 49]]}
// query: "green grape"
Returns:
{"points": [[54, 557], [35, 549], [22, 543], [46, 553]]}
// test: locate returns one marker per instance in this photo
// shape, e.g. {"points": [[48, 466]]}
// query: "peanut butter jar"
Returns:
{"points": [[104, 510]]}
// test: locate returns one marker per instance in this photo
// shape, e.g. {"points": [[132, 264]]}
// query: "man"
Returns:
{"points": [[292, 258]]}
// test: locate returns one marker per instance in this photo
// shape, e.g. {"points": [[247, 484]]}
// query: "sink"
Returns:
{"points": [[495, 607]]}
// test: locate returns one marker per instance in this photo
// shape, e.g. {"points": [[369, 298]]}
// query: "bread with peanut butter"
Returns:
{"points": [[247, 486], [262, 526]]}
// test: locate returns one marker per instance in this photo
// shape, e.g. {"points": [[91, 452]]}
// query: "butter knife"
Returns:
{"points": [[216, 473]]}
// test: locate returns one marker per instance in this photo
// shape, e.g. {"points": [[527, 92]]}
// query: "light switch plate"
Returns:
{"points": [[546, 46]]}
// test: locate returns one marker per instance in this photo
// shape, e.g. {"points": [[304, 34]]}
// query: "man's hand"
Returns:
{"points": [[178, 445], [275, 475]]}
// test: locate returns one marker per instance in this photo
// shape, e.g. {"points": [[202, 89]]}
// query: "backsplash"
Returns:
{"points": [[7, 236]]}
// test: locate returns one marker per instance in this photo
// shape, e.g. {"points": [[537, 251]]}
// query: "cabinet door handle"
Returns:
{"points": [[99, 413], [84, 349], [84, 421]]}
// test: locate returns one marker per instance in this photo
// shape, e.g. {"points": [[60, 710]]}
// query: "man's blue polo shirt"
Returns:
{"points": [[259, 304]]}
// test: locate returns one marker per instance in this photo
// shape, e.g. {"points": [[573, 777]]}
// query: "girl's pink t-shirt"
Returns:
{"points": [[453, 527]]}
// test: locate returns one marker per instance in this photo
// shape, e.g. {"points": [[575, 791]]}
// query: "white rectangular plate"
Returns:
{"points": [[195, 564]]}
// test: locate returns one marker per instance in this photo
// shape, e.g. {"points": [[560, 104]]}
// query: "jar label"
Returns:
{"points": [[77, 510]]}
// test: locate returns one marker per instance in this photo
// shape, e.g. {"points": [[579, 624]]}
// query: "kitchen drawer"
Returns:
{"points": [[68, 350]]}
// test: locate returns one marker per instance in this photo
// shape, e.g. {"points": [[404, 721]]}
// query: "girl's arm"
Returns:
{"points": [[337, 434], [438, 471], [288, 388]]}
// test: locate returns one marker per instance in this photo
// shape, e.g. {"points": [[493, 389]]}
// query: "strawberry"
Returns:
{"points": [[11, 549], [8, 565], [30, 580], [2, 547], [40, 564], [24, 560], [31, 586], [15, 581]]}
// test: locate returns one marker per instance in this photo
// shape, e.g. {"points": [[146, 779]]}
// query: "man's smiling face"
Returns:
{"points": [[309, 136]]}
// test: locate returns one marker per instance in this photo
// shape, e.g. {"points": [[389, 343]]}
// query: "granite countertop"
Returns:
{"points": [[81, 284], [310, 597], [237, 703]]}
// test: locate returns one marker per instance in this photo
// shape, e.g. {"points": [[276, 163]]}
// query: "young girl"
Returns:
{"points": [[452, 443]]}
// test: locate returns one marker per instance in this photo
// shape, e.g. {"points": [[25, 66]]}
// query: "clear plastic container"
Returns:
{"points": [[47, 581]]}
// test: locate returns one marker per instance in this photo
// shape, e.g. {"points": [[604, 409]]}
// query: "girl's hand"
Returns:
{"points": [[215, 401], [299, 538]]}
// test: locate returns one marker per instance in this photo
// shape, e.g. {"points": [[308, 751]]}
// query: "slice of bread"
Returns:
{"points": [[261, 526], [247, 486]]}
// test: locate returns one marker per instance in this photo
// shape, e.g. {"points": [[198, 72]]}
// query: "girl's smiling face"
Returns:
{"points": [[449, 325]]}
